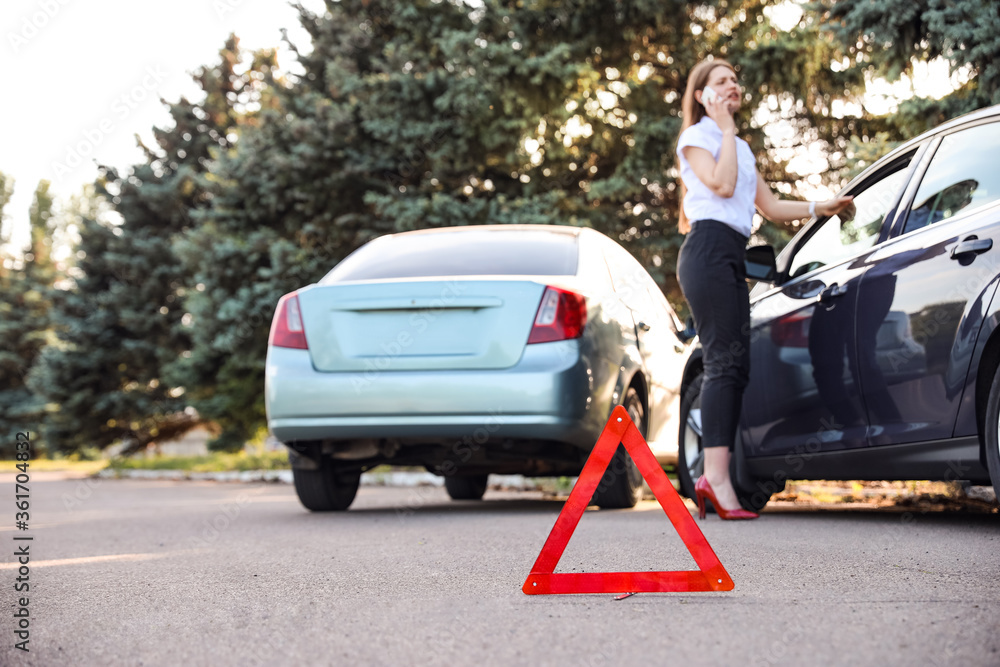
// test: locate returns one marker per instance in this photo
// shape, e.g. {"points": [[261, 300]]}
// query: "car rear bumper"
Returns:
{"points": [[545, 396]]}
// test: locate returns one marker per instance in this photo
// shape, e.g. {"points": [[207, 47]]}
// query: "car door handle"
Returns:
{"points": [[643, 326], [832, 292], [971, 246]]}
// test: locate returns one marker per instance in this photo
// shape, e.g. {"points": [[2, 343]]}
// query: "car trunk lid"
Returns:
{"points": [[419, 325]]}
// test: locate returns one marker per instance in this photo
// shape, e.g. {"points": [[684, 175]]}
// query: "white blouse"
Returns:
{"points": [[700, 202]]}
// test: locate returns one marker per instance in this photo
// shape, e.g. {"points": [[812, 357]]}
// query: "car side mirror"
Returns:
{"points": [[760, 263], [689, 331]]}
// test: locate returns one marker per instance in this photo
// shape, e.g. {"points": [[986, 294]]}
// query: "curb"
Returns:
{"points": [[391, 478]]}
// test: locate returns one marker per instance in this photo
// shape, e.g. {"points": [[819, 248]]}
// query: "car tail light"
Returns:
{"points": [[561, 316], [286, 327], [792, 331]]}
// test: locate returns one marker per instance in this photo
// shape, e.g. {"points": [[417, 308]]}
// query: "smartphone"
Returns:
{"points": [[708, 94]]}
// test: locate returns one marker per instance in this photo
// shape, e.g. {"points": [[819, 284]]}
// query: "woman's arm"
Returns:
{"points": [[719, 177], [779, 210]]}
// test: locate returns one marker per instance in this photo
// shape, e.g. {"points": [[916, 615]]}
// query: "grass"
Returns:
{"points": [[216, 462], [44, 465]]}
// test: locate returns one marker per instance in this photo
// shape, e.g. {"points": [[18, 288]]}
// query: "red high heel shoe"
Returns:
{"points": [[702, 490]]}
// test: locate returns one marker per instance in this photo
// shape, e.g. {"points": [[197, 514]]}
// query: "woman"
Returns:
{"points": [[721, 189]]}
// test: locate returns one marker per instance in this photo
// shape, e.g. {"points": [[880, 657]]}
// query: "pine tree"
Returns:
{"points": [[6, 192], [887, 38], [27, 289]]}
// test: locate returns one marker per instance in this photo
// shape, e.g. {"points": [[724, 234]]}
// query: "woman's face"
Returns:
{"points": [[724, 82]]}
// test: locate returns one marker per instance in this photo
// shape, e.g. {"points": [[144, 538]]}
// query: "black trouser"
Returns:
{"points": [[712, 274]]}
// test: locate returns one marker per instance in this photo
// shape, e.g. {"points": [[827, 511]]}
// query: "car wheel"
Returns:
{"points": [[992, 433], [621, 485], [326, 489], [466, 487], [691, 457]]}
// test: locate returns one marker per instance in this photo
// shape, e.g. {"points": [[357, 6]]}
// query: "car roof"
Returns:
{"points": [[948, 125], [568, 230], [978, 114]]}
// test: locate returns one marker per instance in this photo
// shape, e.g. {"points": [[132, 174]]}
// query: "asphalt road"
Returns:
{"points": [[202, 573]]}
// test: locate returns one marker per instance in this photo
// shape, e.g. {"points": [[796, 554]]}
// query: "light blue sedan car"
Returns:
{"points": [[470, 351]]}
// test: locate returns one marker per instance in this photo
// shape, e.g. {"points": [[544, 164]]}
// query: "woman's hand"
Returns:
{"points": [[778, 210], [719, 111], [844, 206]]}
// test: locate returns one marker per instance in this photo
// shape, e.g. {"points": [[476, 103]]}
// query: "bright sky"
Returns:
{"points": [[83, 78]]}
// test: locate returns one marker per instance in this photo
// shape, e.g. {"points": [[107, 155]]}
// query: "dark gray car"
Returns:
{"points": [[875, 340]]}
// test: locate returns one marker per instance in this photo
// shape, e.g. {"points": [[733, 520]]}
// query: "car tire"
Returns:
{"points": [[466, 487], [991, 436], [621, 485], [690, 457], [326, 489], [690, 453]]}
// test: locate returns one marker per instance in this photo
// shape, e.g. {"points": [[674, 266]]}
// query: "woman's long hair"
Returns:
{"points": [[693, 112]]}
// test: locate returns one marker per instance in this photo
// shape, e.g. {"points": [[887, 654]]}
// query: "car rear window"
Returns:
{"points": [[461, 253]]}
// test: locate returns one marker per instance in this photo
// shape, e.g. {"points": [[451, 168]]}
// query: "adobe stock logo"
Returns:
{"points": [[32, 25], [223, 7]]}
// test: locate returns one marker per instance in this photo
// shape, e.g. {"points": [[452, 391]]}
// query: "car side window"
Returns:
{"points": [[963, 175], [839, 236]]}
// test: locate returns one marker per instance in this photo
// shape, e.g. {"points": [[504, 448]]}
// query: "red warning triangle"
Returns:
{"points": [[543, 580]]}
